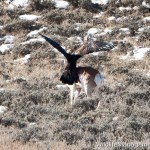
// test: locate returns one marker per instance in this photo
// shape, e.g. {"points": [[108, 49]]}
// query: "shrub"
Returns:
{"points": [[40, 6], [85, 4], [20, 50], [144, 10], [31, 133], [69, 137], [66, 31], [14, 13], [147, 56], [124, 47], [2, 12], [43, 55], [145, 36], [125, 3], [54, 16], [74, 3], [19, 25]]}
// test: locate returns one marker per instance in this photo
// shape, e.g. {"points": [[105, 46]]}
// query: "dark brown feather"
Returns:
{"points": [[94, 46]]}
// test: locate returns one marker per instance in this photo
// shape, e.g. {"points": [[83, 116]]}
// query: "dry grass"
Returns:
{"points": [[6, 142], [63, 146]]}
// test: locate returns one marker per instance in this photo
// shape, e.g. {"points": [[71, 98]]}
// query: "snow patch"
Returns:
{"points": [[126, 30], [77, 26], [107, 30], [102, 34], [35, 32], [35, 40], [17, 3], [2, 89], [146, 19], [146, 5], [98, 15], [32, 124], [61, 4], [1, 27], [135, 8], [114, 49], [5, 47], [3, 109], [115, 118], [138, 54], [148, 74], [112, 18], [95, 53], [125, 8], [102, 2], [141, 29], [61, 86], [23, 60], [92, 31], [8, 39], [29, 17], [121, 19], [77, 39]]}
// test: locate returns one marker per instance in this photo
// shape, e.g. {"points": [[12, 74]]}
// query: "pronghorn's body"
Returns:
{"points": [[89, 79]]}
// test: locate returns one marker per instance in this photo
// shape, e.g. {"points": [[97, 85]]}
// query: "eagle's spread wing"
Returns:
{"points": [[71, 58], [94, 46], [55, 45]]}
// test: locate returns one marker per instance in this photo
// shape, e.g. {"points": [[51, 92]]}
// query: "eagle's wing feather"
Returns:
{"points": [[55, 45], [94, 46], [71, 58]]}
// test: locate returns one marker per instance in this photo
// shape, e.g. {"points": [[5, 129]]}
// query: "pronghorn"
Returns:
{"points": [[89, 80]]}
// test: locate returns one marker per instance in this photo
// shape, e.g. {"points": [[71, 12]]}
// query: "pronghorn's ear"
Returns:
{"points": [[94, 46]]}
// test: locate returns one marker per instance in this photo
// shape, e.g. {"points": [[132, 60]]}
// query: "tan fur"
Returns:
{"points": [[86, 82]]}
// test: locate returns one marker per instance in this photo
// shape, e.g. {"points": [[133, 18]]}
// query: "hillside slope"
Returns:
{"points": [[36, 114]]}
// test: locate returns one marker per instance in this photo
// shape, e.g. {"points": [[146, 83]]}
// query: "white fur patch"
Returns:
{"points": [[99, 80]]}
